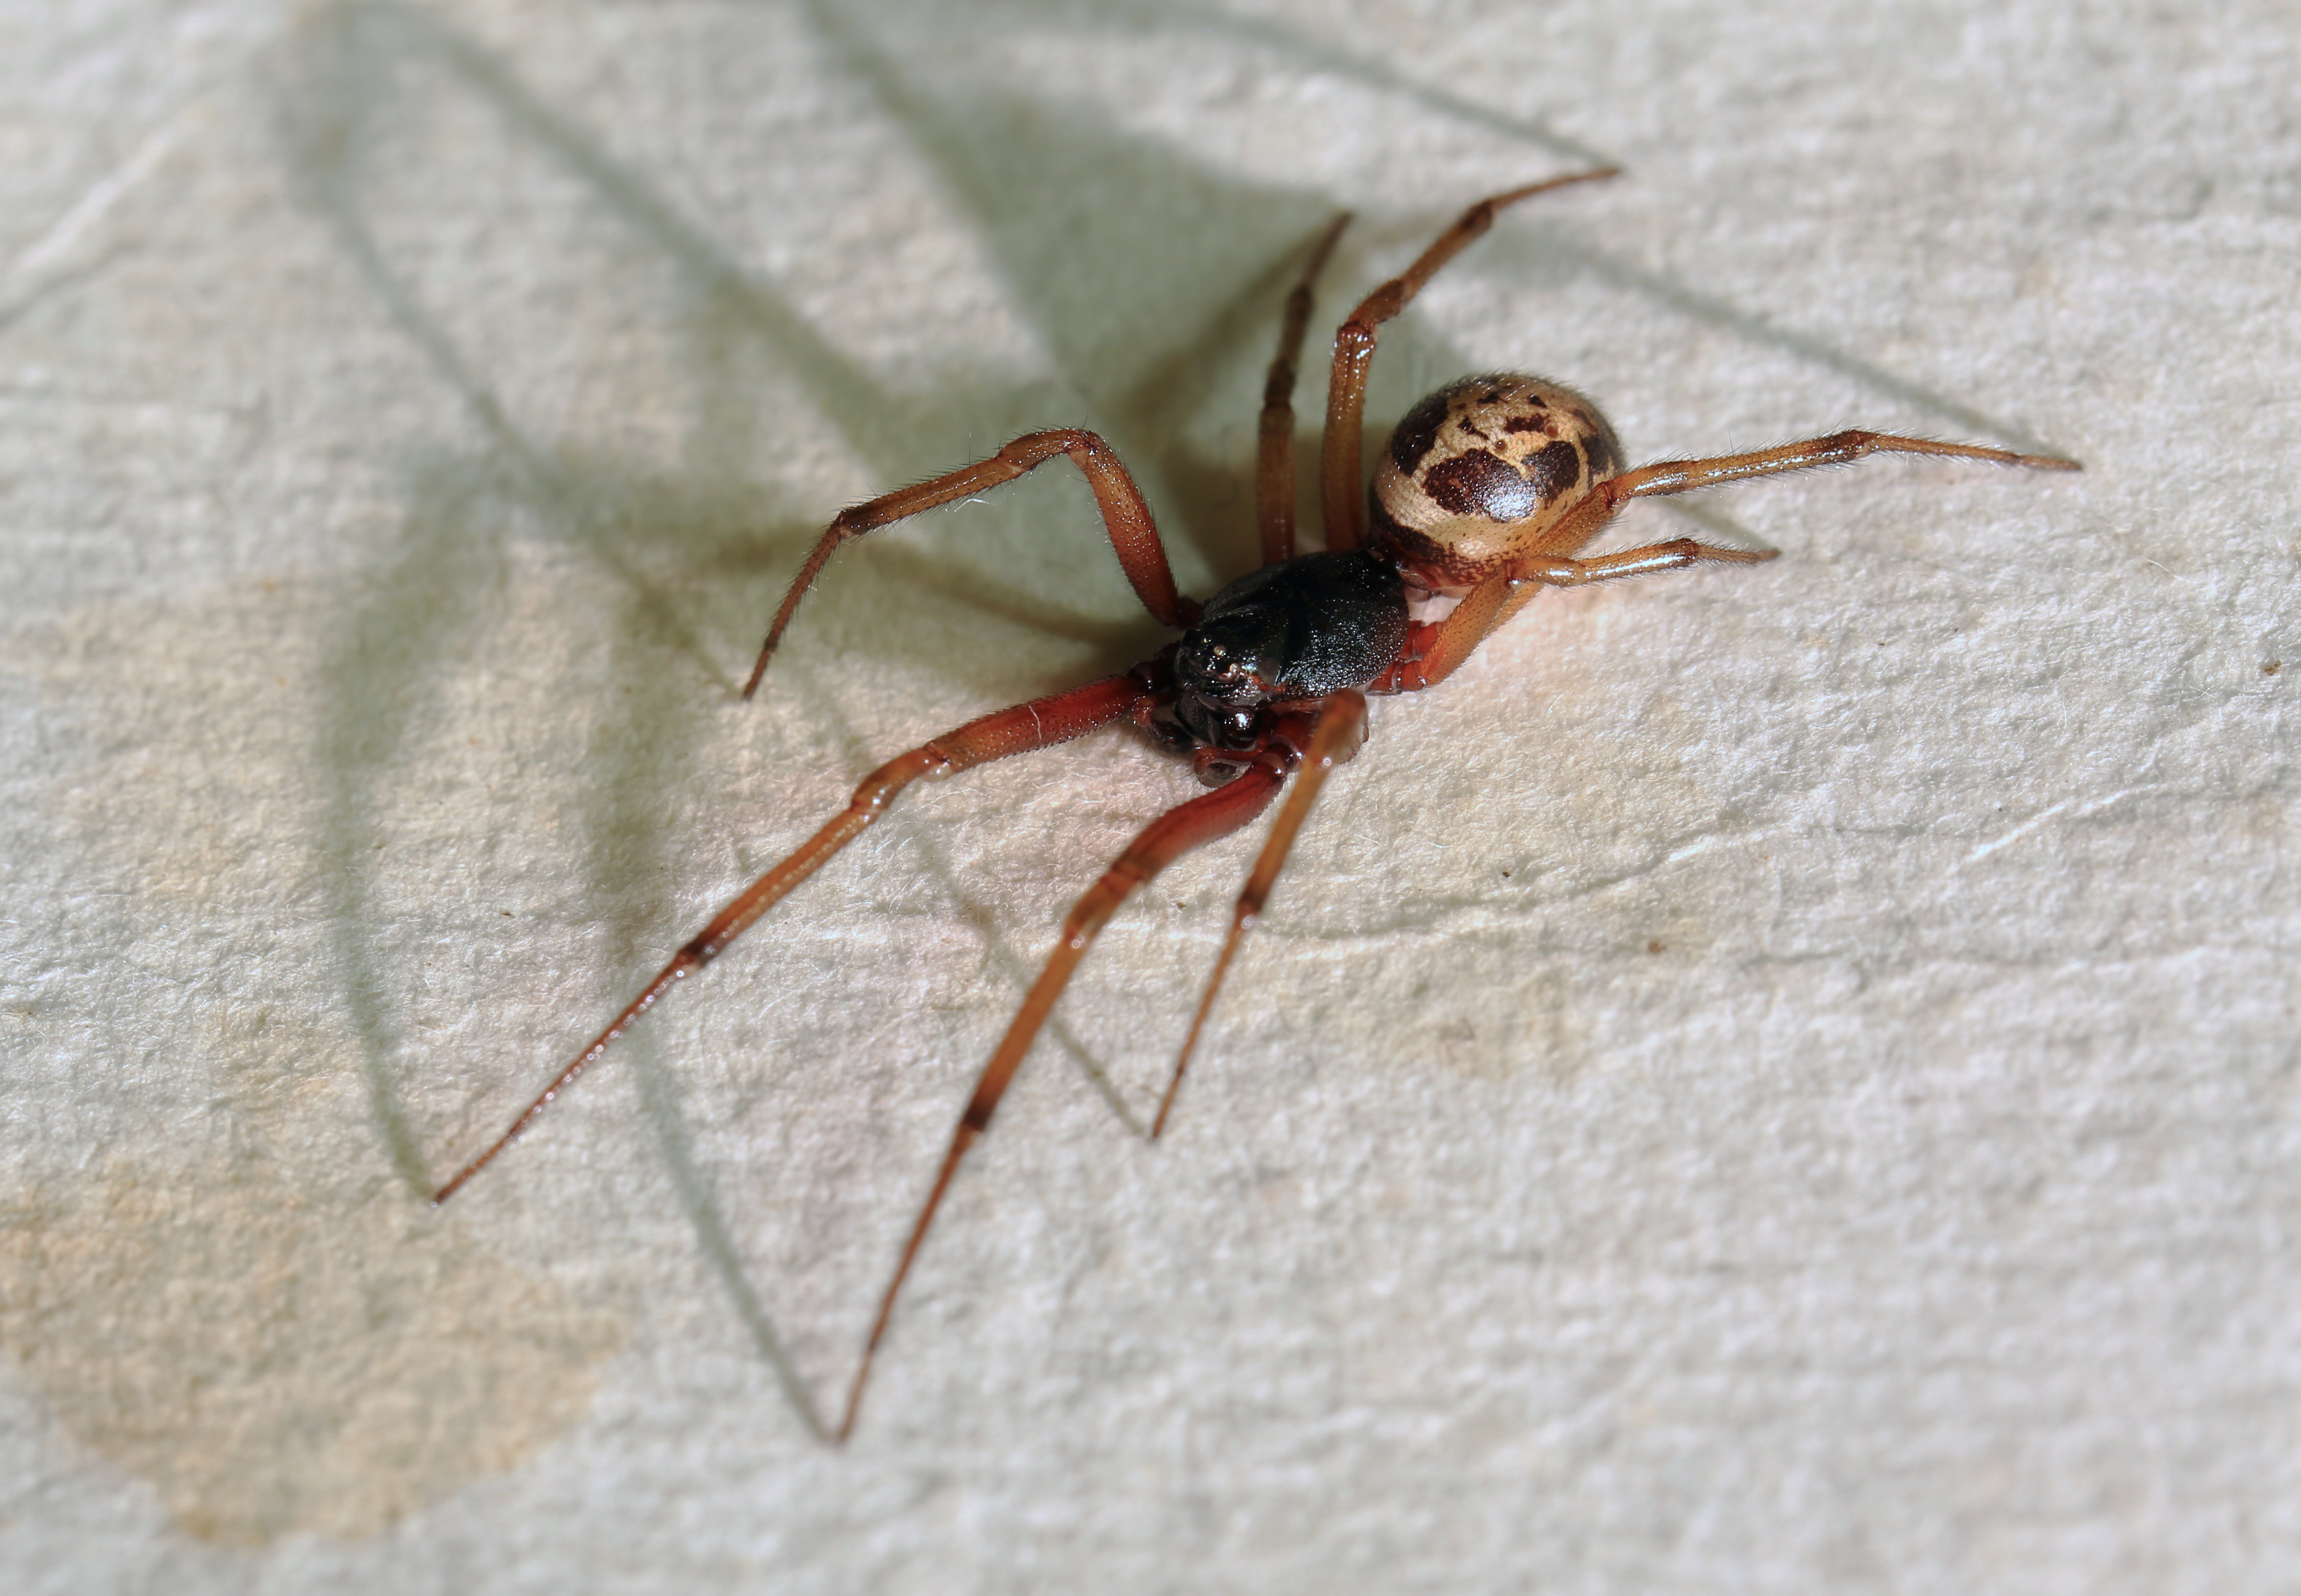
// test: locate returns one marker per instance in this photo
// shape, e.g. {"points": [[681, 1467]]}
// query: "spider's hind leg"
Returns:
{"points": [[1838, 448], [1340, 486]]}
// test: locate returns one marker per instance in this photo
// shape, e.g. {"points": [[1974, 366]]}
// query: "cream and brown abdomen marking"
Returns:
{"points": [[1477, 474]]}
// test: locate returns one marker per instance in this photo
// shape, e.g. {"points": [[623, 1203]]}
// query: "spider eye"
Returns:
{"points": [[1222, 663]]}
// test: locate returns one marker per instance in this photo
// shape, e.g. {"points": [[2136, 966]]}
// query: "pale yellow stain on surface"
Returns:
{"points": [[276, 1358], [244, 1305]]}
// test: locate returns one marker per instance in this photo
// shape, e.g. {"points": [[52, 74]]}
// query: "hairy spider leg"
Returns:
{"points": [[1039, 723], [1134, 535], [1433, 652], [1342, 488], [1341, 728], [1675, 555], [1684, 476], [1273, 458], [1202, 819], [1442, 648]]}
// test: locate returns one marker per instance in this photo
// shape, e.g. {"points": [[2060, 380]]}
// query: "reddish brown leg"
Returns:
{"points": [[1134, 535], [1675, 555], [1173, 834], [1274, 463], [1341, 728], [1435, 650], [1041, 724], [1683, 476], [1341, 490]]}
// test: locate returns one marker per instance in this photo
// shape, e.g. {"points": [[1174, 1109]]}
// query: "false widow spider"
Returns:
{"points": [[1488, 489]]}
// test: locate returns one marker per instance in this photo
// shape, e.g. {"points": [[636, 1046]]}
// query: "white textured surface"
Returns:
{"points": [[410, 416]]}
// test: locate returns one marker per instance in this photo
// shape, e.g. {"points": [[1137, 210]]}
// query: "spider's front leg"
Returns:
{"points": [[1134, 534], [1340, 729], [1039, 723], [1202, 819]]}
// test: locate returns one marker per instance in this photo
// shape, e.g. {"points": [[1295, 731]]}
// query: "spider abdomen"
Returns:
{"points": [[1479, 474]]}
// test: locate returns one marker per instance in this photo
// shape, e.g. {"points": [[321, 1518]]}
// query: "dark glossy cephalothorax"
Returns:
{"points": [[1488, 490]]}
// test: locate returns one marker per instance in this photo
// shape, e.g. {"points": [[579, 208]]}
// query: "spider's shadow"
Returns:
{"points": [[435, 592], [1139, 354]]}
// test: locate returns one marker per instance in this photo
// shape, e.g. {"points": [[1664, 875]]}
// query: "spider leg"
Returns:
{"points": [[1039, 723], [1434, 650], [1273, 460], [1202, 819], [1341, 490], [1341, 728], [1134, 535], [1683, 476], [1675, 555]]}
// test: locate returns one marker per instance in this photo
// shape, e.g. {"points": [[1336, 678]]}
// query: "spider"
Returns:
{"points": [[1488, 489]]}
